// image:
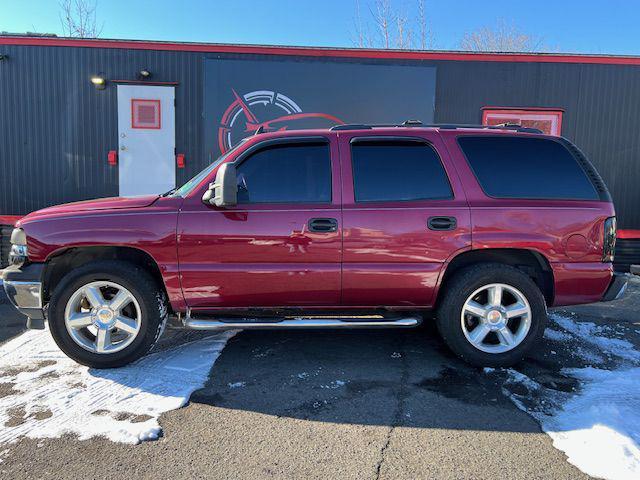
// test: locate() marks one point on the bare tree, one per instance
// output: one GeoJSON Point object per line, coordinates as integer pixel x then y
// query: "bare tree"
{"type": "Point", "coordinates": [427, 38]}
{"type": "Point", "coordinates": [78, 18]}
{"type": "Point", "coordinates": [389, 26]}
{"type": "Point", "coordinates": [383, 17]}
{"type": "Point", "coordinates": [504, 37]}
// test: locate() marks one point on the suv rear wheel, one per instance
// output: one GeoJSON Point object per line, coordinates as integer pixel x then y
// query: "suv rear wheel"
{"type": "Point", "coordinates": [491, 315]}
{"type": "Point", "coordinates": [107, 314]}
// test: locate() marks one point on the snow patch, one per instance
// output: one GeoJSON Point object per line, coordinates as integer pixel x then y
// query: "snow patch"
{"type": "Point", "coordinates": [557, 335]}
{"type": "Point", "coordinates": [236, 384]}
{"type": "Point", "coordinates": [599, 427]}
{"type": "Point", "coordinates": [335, 384]}
{"type": "Point", "coordinates": [52, 395]}
{"type": "Point", "coordinates": [594, 334]}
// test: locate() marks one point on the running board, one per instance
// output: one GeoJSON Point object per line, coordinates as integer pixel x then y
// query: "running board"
{"type": "Point", "coordinates": [301, 322]}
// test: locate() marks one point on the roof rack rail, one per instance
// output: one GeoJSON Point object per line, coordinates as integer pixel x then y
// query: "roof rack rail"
{"type": "Point", "coordinates": [351, 126]}
{"type": "Point", "coordinates": [517, 127]}
{"type": "Point", "coordinates": [445, 126]}
{"type": "Point", "coordinates": [502, 126]}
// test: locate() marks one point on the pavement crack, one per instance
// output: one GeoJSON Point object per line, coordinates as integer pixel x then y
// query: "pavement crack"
{"type": "Point", "coordinates": [398, 416]}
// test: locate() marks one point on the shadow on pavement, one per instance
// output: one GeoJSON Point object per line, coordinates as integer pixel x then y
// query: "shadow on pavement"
{"type": "Point", "coordinates": [394, 377]}
{"type": "Point", "coordinates": [12, 322]}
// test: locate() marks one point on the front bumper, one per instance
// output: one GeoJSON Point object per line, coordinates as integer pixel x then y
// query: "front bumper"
{"type": "Point", "coordinates": [23, 287]}
{"type": "Point", "coordinates": [617, 287]}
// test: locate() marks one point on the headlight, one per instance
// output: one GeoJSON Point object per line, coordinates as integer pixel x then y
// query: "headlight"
{"type": "Point", "coordinates": [18, 237]}
{"type": "Point", "coordinates": [19, 252]}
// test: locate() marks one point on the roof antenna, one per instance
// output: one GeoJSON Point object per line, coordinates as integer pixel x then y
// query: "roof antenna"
{"type": "Point", "coordinates": [411, 123]}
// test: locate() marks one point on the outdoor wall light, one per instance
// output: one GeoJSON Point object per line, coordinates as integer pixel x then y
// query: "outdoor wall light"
{"type": "Point", "coordinates": [144, 74]}
{"type": "Point", "coordinates": [98, 82]}
{"type": "Point", "coordinates": [3, 57]}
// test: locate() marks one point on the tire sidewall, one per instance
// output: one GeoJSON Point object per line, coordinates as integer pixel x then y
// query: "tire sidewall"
{"type": "Point", "coordinates": [150, 311]}
{"type": "Point", "coordinates": [465, 283]}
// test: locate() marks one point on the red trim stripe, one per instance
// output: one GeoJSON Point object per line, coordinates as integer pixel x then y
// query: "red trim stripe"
{"type": "Point", "coordinates": [533, 109]}
{"type": "Point", "coordinates": [633, 234]}
{"type": "Point", "coordinates": [321, 52]}
{"type": "Point", "coordinates": [9, 219]}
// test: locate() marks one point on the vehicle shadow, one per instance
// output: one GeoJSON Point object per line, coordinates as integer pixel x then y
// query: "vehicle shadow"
{"type": "Point", "coordinates": [381, 377]}
{"type": "Point", "coordinates": [12, 322]}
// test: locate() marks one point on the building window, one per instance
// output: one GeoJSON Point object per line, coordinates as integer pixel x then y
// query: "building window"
{"type": "Point", "coordinates": [145, 114]}
{"type": "Point", "coordinates": [548, 120]}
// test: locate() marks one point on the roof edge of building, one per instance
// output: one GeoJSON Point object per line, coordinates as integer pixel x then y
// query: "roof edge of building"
{"type": "Point", "coordinates": [336, 52]}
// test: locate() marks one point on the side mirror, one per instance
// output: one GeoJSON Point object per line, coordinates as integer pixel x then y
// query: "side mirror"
{"type": "Point", "coordinates": [223, 192]}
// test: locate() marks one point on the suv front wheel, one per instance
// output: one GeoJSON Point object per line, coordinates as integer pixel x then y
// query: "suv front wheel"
{"type": "Point", "coordinates": [107, 314]}
{"type": "Point", "coordinates": [491, 315]}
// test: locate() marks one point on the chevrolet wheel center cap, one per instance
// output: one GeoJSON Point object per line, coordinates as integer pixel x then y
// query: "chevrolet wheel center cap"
{"type": "Point", "coordinates": [494, 316]}
{"type": "Point", "coordinates": [105, 316]}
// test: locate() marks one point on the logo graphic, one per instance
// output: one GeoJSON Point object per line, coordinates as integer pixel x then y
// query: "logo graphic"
{"type": "Point", "coordinates": [267, 109]}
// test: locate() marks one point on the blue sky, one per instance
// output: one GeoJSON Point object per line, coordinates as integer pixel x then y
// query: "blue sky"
{"type": "Point", "coordinates": [586, 26]}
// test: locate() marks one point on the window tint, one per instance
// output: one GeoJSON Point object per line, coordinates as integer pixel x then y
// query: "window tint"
{"type": "Point", "coordinates": [286, 173]}
{"type": "Point", "coordinates": [516, 167]}
{"type": "Point", "coordinates": [397, 171]}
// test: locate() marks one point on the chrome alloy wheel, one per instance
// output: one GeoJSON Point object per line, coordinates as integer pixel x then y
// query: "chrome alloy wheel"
{"type": "Point", "coordinates": [103, 317]}
{"type": "Point", "coordinates": [496, 318]}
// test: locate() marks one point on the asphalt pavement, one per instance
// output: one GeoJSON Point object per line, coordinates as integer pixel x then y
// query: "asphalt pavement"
{"type": "Point", "coordinates": [390, 404]}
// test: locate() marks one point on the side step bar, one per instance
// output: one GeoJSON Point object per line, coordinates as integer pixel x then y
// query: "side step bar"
{"type": "Point", "coordinates": [294, 323]}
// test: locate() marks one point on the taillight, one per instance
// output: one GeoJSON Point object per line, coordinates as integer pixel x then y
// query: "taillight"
{"type": "Point", "coordinates": [609, 239]}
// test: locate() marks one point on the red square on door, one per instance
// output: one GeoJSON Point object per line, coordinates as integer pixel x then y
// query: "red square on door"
{"type": "Point", "coordinates": [146, 114]}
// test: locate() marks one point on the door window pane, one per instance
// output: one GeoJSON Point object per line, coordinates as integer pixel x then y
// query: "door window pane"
{"type": "Point", "coordinates": [397, 171]}
{"type": "Point", "coordinates": [289, 173]}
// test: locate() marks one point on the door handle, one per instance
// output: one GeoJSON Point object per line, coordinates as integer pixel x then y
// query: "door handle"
{"type": "Point", "coordinates": [442, 223]}
{"type": "Point", "coordinates": [323, 225]}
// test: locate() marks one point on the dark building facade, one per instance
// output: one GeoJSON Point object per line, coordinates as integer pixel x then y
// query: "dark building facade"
{"type": "Point", "coordinates": [166, 110]}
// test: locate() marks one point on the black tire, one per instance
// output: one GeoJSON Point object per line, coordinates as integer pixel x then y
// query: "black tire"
{"type": "Point", "coordinates": [461, 286]}
{"type": "Point", "coordinates": [149, 295]}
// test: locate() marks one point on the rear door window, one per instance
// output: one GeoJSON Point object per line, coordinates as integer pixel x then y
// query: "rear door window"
{"type": "Point", "coordinates": [519, 167]}
{"type": "Point", "coordinates": [397, 170]}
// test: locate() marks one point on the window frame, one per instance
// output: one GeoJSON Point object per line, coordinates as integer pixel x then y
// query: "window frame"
{"type": "Point", "coordinates": [135, 102]}
{"type": "Point", "coordinates": [397, 138]}
{"type": "Point", "coordinates": [557, 113]}
{"type": "Point", "coordinates": [283, 141]}
{"type": "Point", "coordinates": [550, 138]}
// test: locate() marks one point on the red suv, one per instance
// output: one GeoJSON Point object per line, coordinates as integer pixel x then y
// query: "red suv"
{"type": "Point", "coordinates": [356, 226]}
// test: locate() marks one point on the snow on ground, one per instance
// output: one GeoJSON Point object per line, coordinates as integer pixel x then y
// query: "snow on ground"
{"type": "Point", "coordinates": [44, 394]}
{"type": "Point", "coordinates": [597, 426]}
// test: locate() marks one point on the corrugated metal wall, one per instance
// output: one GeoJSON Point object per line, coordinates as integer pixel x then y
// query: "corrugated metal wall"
{"type": "Point", "coordinates": [56, 128]}
{"type": "Point", "coordinates": [601, 104]}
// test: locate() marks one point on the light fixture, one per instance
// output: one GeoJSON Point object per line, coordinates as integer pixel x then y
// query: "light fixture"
{"type": "Point", "coordinates": [144, 74]}
{"type": "Point", "coordinates": [99, 82]}
{"type": "Point", "coordinates": [3, 57]}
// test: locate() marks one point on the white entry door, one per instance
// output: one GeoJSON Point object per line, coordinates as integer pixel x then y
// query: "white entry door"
{"type": "Point", "coordinates": [146, 139]}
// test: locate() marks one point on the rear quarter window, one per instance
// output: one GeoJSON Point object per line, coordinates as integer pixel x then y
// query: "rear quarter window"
{"type": "Point", "coordinates": [521, 167]}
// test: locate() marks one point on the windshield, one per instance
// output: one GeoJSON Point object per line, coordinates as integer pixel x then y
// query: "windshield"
{"type": "Point", "coordinates": [195, 181]}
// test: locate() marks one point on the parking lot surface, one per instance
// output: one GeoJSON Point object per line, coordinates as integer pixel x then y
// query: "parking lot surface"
{"type": "Point", "coordinates": [360, 404]}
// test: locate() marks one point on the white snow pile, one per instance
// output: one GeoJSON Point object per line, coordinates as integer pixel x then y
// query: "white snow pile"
{"type": "Point", "coordinates": [597, 427]}
{"type": "Point", "coordinates": [44, 394]}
